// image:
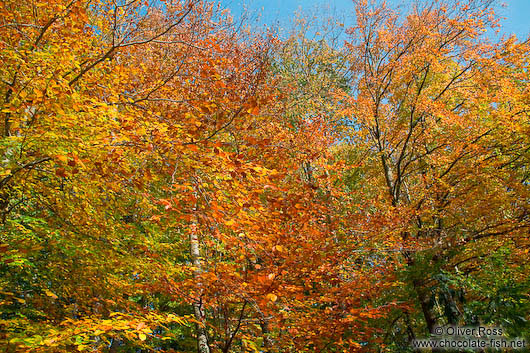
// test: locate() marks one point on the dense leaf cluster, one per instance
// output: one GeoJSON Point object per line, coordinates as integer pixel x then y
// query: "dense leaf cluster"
{"type": "Point", "coordinates": [171, 181]}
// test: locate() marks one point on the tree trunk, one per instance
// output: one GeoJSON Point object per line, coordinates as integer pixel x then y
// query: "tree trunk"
{"type": "Point", "coordinates": [202, 338]}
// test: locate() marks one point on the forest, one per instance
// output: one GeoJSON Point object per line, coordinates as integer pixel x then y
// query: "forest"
{"type": "Point", "coordinates": [175, 179]}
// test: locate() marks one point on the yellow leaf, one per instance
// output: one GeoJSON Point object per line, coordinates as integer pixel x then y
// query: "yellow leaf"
{"type": "Point", "coordinates": [142, 336]}
{"type": "Point", "coordinates": [272, 297]}
{"type": "Point", "coordinates": [50, 294]}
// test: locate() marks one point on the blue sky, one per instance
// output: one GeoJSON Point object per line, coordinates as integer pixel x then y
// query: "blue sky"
{"type": "Point", "coordinates": [516, 12]}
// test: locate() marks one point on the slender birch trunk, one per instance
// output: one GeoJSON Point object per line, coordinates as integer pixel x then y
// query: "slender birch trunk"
{"type": "Point", "coordinates": [202, 338]}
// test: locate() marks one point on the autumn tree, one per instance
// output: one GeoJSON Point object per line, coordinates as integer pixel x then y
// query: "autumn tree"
{"type": "Point", "coordinates": [94, 125]}
{"type": "Point", "coordinates": [431, 98]}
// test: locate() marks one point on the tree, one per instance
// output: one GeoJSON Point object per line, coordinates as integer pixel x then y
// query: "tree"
{"type": "Point", "coordinates": [428, 106]}
{"type": "Point", "coordinates": [86, 148]}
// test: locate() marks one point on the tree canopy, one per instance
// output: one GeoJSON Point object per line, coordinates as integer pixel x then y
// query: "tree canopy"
{"type": "Point", "coordinates": [173, 180]}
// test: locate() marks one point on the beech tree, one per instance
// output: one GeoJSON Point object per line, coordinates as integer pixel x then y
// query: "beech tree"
{"type": "Point", "coordinates": [431, 96]}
